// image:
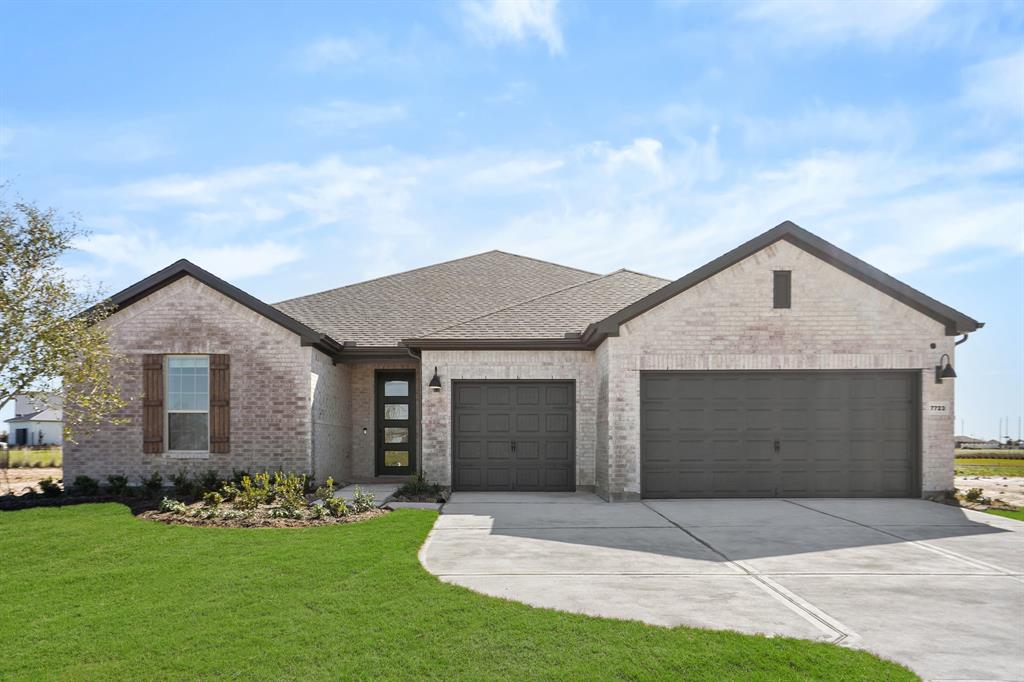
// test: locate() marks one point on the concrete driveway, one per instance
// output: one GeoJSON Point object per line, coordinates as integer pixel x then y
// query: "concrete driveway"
{"type": "Point", "coordinates": [936, 588]}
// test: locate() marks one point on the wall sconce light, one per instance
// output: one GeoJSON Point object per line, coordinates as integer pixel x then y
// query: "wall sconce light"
{"type": "Point", "coordinates": [435, 382]}
{"type": "Point", "coordinates": [946, 372]}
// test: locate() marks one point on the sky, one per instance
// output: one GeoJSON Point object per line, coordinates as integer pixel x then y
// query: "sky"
{"type": "Point", "coordinates": [295, 147]}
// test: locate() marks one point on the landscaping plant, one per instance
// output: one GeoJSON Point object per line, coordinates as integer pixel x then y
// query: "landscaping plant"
{"type": "Point", "coordinates": [85, 486]}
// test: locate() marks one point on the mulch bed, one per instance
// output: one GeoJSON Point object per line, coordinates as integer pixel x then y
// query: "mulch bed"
{"type": "Point", "coordinates": [258, 521]}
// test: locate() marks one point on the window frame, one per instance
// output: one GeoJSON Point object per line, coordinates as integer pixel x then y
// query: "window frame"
{"type": "Point", "coordinates": [167, 403]}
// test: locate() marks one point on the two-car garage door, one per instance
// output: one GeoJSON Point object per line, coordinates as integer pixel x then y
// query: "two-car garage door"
{"type": "Point", "coordinates": [779, 434]}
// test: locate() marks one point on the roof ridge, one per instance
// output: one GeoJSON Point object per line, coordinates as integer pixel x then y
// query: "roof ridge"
{"type": "Point", "coordinates": [519, 303]}
{"type": "Point", "coordinates": [433, 265]}
{"type": "Point", "coordinates": [642, 274]}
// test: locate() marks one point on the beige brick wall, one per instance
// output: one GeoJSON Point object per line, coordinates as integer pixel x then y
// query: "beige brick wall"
{"type": "Point", "coordinates": [361, 407]}
{"type": "Point", "coordinates": [270, 385]}
{"type": "Point", "coordinates": [331, 418]}
{"type": "Point", "coordinates": [577, 366]}
{"type": "Point", "coordinates": [728, 322]}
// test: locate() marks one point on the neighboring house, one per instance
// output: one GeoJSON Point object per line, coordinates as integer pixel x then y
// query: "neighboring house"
{"type": "Point", "coordinates": [969, 442]}
{"type": "Point", "coordinates": [786, 367]}
{"type": "Point", "coordinates": [38, 420]}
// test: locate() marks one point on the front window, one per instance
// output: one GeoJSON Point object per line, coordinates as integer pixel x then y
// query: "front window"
{"type": "Point", "coordinates": [188, 403]}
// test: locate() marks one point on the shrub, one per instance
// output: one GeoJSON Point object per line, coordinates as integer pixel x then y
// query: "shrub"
{"type": "Point", "coordinates": [208, 481]}
{"type": "Point", "coordinates": [317, 510]}
{"type": "Point", "coordinates": [362, 501]}
{"type": "Point", "coordinates": [50, 487]}
{"type": "Point", "coordinates": [285, 513]}
{"type": "Point", "coordinates": [205, 512]}
{"type": "Point", "coordinates": [335, 506]}
{"type": "Point", "coordinates": [251, 491]}
{"type": "Point", "coordinates": [117, 485]}
{"type": "Point", "coordinates": [212, 499]}
{"type": "Point", "coordinates": [172, 506]}
{"type": "Point", "coordinates": [86, 486]}
{"type": "Point", "coordinates": [974, 494]}
{"type": "Point", "coordinates": [289, 491]}
{"type": "Point", "coordinates": [419, 487]}
{"type": "Point", "coordinates": [152, 486]}
{"type": "Point", "coordinates": [237, 475]}
{"type": "Point", "coordinates": [183, 485]}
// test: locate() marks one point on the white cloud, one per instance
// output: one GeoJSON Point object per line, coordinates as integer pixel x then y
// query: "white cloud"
{"type": "Point", "coordinates": [996, 87]}
{"type": "Point", "coordinates": [876, 21]}
{"type": "Point", "coordinates": [513, 173]}
{"type": "Point", "coordinates": [499, 21]}
{"type": "Point", "coordinates": [327, 52]}
{"type": "Point", "coordinates": [346, 115]}
{"type": "Point", "coordinates": [145, 251]}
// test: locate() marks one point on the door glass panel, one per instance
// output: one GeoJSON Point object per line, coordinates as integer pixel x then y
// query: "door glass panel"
{"type": "Point", "coordinates": [395, 411]}
{"type": "Point", "coordinates": [396, 458]}
{"type": "Point", "coordinates": [393, 435]}
{"type": "Point", "coordinates": [396, 388]}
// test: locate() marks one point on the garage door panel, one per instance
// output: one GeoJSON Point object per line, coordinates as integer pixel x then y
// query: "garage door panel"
{"type": "Point", "coordinates": [537, 416]}
{"type": "Point", "coordinates": [750, 434]}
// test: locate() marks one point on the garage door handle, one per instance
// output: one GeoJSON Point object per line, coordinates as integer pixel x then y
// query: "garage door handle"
{"type": "Point", "coordinates": [778, 446]}
{"type": "Point", "coordinates": [513, 446]}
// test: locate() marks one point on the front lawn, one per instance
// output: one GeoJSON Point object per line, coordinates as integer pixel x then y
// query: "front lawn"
{"type": "Point", "coordinates": [28, 457]}
{"type": "Point", "coordinates": [1016, 514]}
{"type": "Point", "coordinates": [91, 592]}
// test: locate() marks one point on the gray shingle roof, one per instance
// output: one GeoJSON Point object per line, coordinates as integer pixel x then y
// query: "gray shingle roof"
{"type": "Point", "coordinates": [381, 312]}
{"type": "Point", "coordinates": [551, 316]}
{"type": "Point", "coordinates": [45, 415]}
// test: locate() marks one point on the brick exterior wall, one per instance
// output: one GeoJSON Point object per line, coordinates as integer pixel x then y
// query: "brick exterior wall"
{"type": "Point", "coordinates": [331, 418]}
{"type": "Point", "coordinates": [362, 459]}
{"type": "Point", "coordinates": [727, 322]}
{"type": "Point", "coordinates": [270, 386]}
{"type": "Point", "coordinates": [577, 366]}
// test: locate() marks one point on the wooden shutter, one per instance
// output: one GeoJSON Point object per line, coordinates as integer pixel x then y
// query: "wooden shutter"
{"type": "Point", "coordinates": [220, 403]}
{"type": "Point", "coordinates": [153, 404]}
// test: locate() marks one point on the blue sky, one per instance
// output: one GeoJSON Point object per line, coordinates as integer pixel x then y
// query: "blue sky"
{"type": "Point", "coordinates": [295, 147]}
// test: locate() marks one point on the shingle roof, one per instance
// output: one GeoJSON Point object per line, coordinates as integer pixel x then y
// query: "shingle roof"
{"type": "Point", "coordinates": [551, 316]}
{"type": "Point", "coordinates": [383, 311]}
{"type": "Point", "coordinates": [45, 415]}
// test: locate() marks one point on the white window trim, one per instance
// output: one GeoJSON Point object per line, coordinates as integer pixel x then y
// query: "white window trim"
{"type": "Point", "coordinates": [185, 454]}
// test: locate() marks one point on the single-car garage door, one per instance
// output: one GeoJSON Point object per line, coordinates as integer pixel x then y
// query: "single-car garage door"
{"type": "Point", "coordinates": [513, 435]}
{"type": "Point", "coordinates": [779, 434]}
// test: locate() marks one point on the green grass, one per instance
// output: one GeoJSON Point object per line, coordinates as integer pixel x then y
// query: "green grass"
{"type": "Point", "coordinates": [1018, 515]}
{"type": "Point", "coordinates": [989, 467]}
{"type": "Point", "coordinates": [51, 457]}
{"type": "Point", "coordinates": [91, 592]}
{"type": "Point", "coordinates": [989, 454]}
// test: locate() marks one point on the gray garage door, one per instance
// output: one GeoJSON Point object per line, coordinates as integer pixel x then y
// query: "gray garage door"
{"type": "Point", "coordinates": [514, 435]}
{"type": "Point", "coordinates": [779, 434]}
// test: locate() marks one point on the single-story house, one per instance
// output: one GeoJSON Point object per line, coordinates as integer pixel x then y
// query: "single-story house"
{"type": "Point", "coordinates": [44, 427]}
{"type": "Point", "coordinates": [786, 367]}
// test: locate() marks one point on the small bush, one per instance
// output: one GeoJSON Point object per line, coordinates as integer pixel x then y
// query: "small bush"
{"type": "Point", "coordinates": [86, 486]}
{"type": "Point", "coordinates": [206, 513]}
{"type": "Point", "coordinates": [419, 487]}
{"type": "Point", "coordinates": [289, 491]}
{"type": "Point", "coordinates": [285, 513]}
{"type": "Point", "coordinates": [974, 494]}
{"type": "Point", "coordinates": [362, 501]}
{"type": "Point", "coordinates": [237, 475]}
{"type": "Point", "coordinates": [183, 485]}
{"type": "Point", "coordinates": [117, 485]}
{"type": "Point", "coordinates": [335, 506]}
{"type": "Point", "coordinates": [250, 493]}
{"type": "Point", "coordinates": [152, 485]}
{"type": "Point", "coordinates": [212, 499]}
{"type": "Point", "coordinates": [172, 506]}
{"type": "Point", "coordinates": [208, 481]}
{"type": "Point", "coordinates": [50, 487]}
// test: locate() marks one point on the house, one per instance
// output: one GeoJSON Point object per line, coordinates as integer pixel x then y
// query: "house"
{"type": "Point", "coordinates": [786, 367]}
{"type": "Point", "coordinates": [38, 420]}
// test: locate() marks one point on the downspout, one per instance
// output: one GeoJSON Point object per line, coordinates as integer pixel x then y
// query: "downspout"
{"type": "Point", "coordinates": [963, 340]}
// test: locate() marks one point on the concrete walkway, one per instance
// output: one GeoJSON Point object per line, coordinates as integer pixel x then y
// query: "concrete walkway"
{"type": "Point", "coordinates": [936, 588]}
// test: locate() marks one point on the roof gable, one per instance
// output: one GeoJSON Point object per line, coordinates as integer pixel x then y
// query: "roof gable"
{"type": "Point", "coordinates": [185, 268]}
{"type": "Point", "coordinates": [954, 321]}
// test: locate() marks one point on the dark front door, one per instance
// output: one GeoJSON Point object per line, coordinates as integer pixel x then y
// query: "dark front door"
{"type": "Point", "coordinates": [779, 434]}
{"type": "Point", "coordinates": [514, 435]}
{"type": "Point", "coordinates": [21, 436]}
{"type": "Point", "coordinates": [396, 422]}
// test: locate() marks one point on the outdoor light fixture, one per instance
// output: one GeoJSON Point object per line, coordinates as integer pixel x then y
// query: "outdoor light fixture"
{"type": "Point", "coordinates": [435, 382]}
{"type": "Point", "coordinates": [946, 372]}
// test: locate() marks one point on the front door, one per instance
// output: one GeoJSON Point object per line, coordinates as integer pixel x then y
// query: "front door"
{"type": "Point", "coordinates": [396, 422]}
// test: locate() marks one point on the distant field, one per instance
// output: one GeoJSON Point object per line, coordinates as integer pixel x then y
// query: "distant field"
{"type": "Point", "coordinates": [990, 454]}
{"type": "Point", "coordinates": [52, 457]}
{"type": "Point", "coordinates": [985, 466]}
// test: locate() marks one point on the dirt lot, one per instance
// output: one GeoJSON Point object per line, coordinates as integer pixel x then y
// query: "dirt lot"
{"type": "Point", "coordinates": [1009, 489]}
{"type": "Point", "coordinates": [21, 478]}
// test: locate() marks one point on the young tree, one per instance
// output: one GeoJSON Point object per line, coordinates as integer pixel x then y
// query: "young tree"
{"type": "Point", "coordinates": [49, 338]}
